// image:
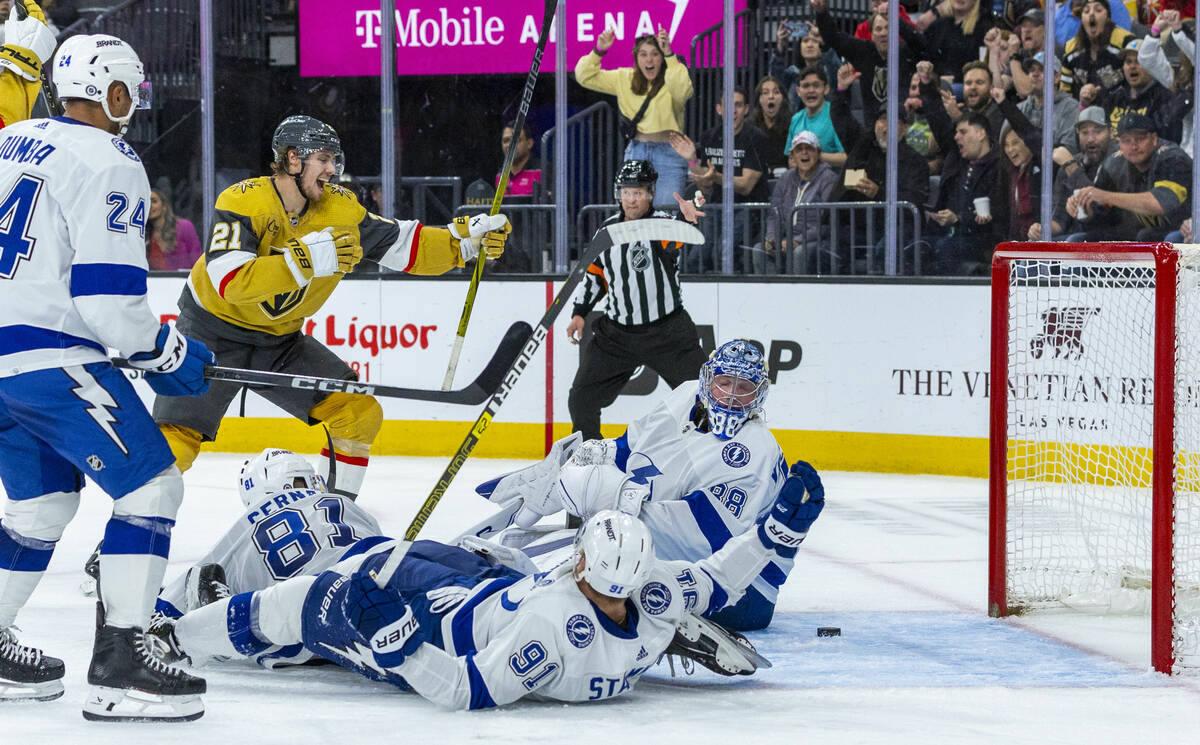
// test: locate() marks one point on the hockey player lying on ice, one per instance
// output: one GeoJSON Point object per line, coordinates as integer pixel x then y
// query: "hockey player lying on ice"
{"type": "Point", "coordinates": [468, 634]}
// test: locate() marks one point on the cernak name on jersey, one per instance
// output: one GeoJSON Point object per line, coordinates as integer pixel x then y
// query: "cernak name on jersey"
{"type": "Point", "coordinates": [609, 687]}
{"type": "Point", "coordinates": [276, 503]}
{"type": "Point", "coordinates": [24, 149]}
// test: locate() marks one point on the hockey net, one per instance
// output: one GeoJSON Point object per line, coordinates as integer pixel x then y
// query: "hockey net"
{"type": "Point", "coordinates": [1095, 436]}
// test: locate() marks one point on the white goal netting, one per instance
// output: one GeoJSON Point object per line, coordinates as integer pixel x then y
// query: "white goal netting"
{"type": "Point", "coordinates": [1080, 427]}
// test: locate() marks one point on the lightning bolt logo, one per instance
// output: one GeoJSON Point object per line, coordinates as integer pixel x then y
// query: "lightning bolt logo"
{"type": "Point", "coordinates": [101, 403]}
{"type": "Point", "coordinates": [356, 654]}
{"type": "Point", "coordinates": [677, 16]}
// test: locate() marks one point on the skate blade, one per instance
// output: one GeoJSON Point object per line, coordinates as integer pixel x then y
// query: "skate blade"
{"type": "Point", "coordinates": [13, 692]}
{"type": "Point", "coordinates": [131, 705]}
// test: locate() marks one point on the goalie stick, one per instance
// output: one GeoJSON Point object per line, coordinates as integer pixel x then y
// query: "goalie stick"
{"type": "Point", "coordinates": [501, 187]}
{"type": "Point", "coordinates": [476, 393]}
{"type": "Point", "coordinates": [652, 229]}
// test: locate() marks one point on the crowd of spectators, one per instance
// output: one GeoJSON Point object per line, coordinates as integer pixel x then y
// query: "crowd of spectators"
{"type": "Point", "coordinates": [970, 132]}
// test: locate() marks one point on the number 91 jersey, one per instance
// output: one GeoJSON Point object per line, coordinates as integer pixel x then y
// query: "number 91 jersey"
{"type": "Point", "coordinates": [289, 534]}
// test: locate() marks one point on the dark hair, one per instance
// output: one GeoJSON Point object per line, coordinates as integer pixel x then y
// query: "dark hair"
{"type": "Point", "coordinates": [736, 90]}
{"type": "Point", "coordinates": [1105, 33]}
{"type": "Point", "coordinates": [975, 119]}
{"type": "Point", "coordinates": [978, 65]}
{"type": "Point", "coordinates": [525, 130]}
{"type": "Point", "coordinates": [638, 82]}
{"type": "Point", "coordinates": [168, 225]}
{"type": "Point", "coordinates": [813, 70]}
{"type": "Point", "coordinates": [783, 119]}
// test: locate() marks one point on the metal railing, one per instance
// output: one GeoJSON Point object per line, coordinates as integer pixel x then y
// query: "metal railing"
{"type": "Point", "coordinates": [593, 152]}
{"type": "Point", "coordinates": [530, 246]}
{"type": "Point", "coordinates": [434, 200]}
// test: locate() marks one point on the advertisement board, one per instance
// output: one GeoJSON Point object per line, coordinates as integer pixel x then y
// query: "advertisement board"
{"type": "Point", "coordinates": [485, 37]}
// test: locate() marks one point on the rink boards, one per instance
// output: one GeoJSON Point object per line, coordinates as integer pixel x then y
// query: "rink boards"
{"type": "Point", "coordinates": [867, 376]}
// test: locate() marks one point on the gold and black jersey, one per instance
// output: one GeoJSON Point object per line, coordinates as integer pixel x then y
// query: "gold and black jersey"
{"type": "Point", "coordinates": [243, 278]}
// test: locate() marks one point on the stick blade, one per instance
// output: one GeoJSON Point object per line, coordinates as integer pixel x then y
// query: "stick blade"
{"type": "Point", "coordinates": [654, 229]}
{"type": "Point", "coordinates": [510, 346]}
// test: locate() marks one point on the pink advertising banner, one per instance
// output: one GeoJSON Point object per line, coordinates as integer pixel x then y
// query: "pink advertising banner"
{"type": "Point", "coordinates": [484, 36]}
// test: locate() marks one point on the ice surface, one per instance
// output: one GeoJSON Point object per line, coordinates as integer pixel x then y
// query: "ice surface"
{"type": "Point", "coordinates": [898, 562]}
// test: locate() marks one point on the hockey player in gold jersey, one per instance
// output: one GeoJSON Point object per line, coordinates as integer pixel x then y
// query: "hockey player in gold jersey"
{"type": "Point", "coordinates": [278, 247]}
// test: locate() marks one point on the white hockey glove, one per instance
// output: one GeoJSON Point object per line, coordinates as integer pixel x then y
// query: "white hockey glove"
{"type": "Point", "coordinates": [488, 232]}
{"type": "Point", "coordinates": [595, 453]}
{"type": "Point", "coordinates": [28, 42]}
{"type": "Point", "coordinates": [532, 481]}
{"type": "Point", "coordinates": [444, 599]}
{"type": "Point", "coordinates": [321, 254]}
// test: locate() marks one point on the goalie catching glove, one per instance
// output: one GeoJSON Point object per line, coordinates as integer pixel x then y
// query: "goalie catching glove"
{"type": "Point", "coordinates": [321, 254]}
{"type": "Point", "coordinates": [486, 232]}
{"type": "Point", "coordinates": [797, 507]}
{"type": "Point", "coordinates": [29, 43]}
{"type": "Point", "coordinates": [175, 367]}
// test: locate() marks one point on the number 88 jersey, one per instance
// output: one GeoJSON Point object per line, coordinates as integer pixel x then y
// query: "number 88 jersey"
{"type": "Point", "coordinates": [286, 535]}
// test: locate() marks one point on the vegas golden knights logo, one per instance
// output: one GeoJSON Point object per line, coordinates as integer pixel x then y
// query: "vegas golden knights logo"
{"type": "Point", "coordinates": [283, 303]}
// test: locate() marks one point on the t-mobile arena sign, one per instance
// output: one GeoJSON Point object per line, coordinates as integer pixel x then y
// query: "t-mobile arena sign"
{"type": "Point", "coordinates": [486, 37]}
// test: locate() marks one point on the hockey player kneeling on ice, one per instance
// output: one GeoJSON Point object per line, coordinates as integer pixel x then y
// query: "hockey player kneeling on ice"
{"type": "Point", "coordinates": [291, 527]}
{"type": "Point", "coordinates": [701, 466]}
{"type": "Point", "coordinates": [466, 634]}
{"type": "Point", "coordinates": [72, 188]}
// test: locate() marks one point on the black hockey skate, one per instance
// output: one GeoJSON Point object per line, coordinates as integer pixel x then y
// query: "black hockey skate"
{"type": "Point", "coordinates": [205, 584]}
{"type": "Point", "coordinates": [25, 673]}
{"type": "Point", "coordinates": [161, 639]}
{"type": "Point", "coordinates": [129, 684]}
{"type": "Point", "coordinates": [717, 648]}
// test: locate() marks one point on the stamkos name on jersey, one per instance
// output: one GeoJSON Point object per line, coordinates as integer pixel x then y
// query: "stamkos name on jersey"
{"type": "Point", "coordinates": [277, 502]}
{"type": "Point", "coordinates": [609, 687]}
{"type": "Point", "coordinates": [24, 149]}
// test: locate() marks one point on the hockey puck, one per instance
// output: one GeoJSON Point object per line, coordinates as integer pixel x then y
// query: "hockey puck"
{"type": "Point", "coordinates": [828, 631]}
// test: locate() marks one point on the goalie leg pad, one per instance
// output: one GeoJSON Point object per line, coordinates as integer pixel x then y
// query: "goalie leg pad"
{"type": "Point", "coordinates": [531, 483]}
{"type": "Point", "coordinates": [720, 650]}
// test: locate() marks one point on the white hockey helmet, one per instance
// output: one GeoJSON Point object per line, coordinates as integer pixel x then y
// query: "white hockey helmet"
{"type": "Point", "coordinates": [85, 66]}
{"type": "Point", "coordinates": [273, 471]}
{"type": "Point", "coordinates": [617, 552]}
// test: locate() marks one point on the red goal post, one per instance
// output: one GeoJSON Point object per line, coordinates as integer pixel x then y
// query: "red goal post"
{"type": "Point", "coordinates": [1095, 436]}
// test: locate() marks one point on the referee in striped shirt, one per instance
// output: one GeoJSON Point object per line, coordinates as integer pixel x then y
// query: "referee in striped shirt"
{"type": "Point", "coordinates": [644, 322]}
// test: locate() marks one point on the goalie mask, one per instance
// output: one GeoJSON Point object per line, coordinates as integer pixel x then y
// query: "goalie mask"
{"type": "Point", "coordinates": [85, 67]}
{"type": "Point", "coordinates": [617, 553]}
{"type": "Point", "coordinates": [273, 471]}
{"type": "Point", "coordinates": [733, 386]}
{"type": "Point", "coordinates": [307, 136]}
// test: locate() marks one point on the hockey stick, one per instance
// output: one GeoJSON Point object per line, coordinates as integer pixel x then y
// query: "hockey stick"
{"type": "Point", "coordinates": [501, 187]}
{"type": "Point", "coordinates": [653, 229]}
{"type": "Point", "coordinates": [475, 393]}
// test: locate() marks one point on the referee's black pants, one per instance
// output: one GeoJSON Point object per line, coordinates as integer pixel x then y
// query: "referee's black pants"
{"type": "Point", "coordinates": [608, 359]}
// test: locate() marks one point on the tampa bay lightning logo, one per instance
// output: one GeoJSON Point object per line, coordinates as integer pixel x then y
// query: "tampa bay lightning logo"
{"type": "Point", "coordinates": [655, 598]}
{"type": "Point", "coordinates": [735, 455]}
{"type": "Point", "coordinates": [125, 149]}
{"type": "Point", "coordinates": [580, 630]}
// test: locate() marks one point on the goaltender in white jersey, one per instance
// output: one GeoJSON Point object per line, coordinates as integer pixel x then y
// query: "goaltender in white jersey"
{"type": "Point", "coordinates": [466, 634]}
{"type": "Point", "coordinates": [713, 466]}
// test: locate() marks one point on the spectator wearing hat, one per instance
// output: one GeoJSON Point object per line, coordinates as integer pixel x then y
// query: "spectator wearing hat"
{"type": "Point", "coordinates": [1067, 19]}
{"type": "Point", "coordinates": [171, 241]}
{"type": "Point", "coordinates": [1065, 108]}
{"type": "Point", "coordinates": [1031, 30]}
{"type": "Point", "coordinates": [1076, 168]}
{"type": "Point", "coordinates": [1143, 192]}
{"type": "Point", "coordinates": [1092, 60]}
{"type": "Point", "coordinates": [1140, 93]}
{"type": "Point", "coordinates": [809, 180]}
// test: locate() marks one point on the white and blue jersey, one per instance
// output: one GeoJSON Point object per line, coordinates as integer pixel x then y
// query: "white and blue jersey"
{"type": "Point", "coordinates": [285, 535]}
{"type": "Point", "coordinates": [513, 636]}
{"type": "Point", "coordinates": [74, 201]}
{"type": "Point", "coordinates": [709, 490]}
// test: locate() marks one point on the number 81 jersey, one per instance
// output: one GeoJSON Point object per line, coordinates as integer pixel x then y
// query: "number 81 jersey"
{"type": "Point", "coordinates": [289, 534]}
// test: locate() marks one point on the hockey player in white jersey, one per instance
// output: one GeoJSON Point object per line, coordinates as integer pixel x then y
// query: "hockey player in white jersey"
{"type": "Point", "coordinates": [292, 526]}
{"type": "Point", "coordinates": [468, 635]}
{"type": "Point", "coordinates": [714, 467]}
{"type": "Point", "coordinates": [73, 204]}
